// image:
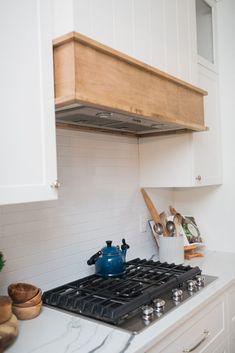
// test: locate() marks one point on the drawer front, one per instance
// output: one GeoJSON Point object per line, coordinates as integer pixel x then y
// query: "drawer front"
{"type": "Point", "coordinates": [200, 334]}
{"type": "Point", "coordinates": [231, 307]}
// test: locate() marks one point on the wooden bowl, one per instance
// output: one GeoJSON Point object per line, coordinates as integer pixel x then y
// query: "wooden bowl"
{"type": "Point", "coordinates": [5, 308]}
{"type": "Point", "coordinates": [31, 302]}
{"type": "Point", "coordinates": [27, 313]}
{"type": "Point", "coordinates": [8, 332]}
{"type": "Point", "coordinates": [21, 292]}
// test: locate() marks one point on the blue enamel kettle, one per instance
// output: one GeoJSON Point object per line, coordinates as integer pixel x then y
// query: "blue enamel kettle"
{"type": "Point", "coordinates": [110, 261]}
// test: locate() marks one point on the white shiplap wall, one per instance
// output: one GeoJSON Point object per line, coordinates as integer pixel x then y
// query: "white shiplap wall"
{"type": "Point", "coordinates": [158, 32]}
{"type": "Point", "coordinates": [48, 243]}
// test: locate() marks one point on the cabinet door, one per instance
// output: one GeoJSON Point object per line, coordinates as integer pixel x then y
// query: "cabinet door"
{"type": "Point", "coordinates": [166, 161]}
{"type": "Point", "coordinates": [27, 134]}
{"type": "Point", "coordinates": [223, 348]}
{"type": "Point", "coordinates": [232, 343]}
{"type": "Point", "coordinates": [207, 145]}
{"type": "Point", "coordinates": [186, 160]}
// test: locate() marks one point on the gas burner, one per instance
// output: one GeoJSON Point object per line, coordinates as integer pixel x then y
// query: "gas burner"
{"type": "Point", "coordinates": [145, 293]}
{"type": "Point", "coordinates": [131, 293]}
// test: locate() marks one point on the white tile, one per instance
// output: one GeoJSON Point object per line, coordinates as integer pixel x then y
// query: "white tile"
{"type": "Point", "coordinates": [48, 243]}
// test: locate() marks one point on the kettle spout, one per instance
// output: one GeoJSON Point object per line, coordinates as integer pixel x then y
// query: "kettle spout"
{"type": "Point", "coordinates": [124, 248]}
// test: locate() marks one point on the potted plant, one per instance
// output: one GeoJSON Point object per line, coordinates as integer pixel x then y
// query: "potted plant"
{"type": "Point", "coordinates": [2, 261]}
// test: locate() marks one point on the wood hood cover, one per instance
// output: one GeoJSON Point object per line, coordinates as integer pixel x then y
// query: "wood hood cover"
{"type": "Point", "coordinates": [97, 87]}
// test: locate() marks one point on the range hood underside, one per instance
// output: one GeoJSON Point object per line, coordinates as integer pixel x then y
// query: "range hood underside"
{"type": "Point", "coordinates": [93, 118]}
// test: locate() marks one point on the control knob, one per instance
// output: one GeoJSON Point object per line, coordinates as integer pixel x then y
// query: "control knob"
{"type": "Point", "coordinates": [159, 305]}
{"type": "Point", "coordinates": [147, 311]}
{"type": "Point", "coordinates": [200, 280]}
{"type": "Point", "coordinates": [177, 294]}
{"type": "Point", "coordinates": [192, 285]}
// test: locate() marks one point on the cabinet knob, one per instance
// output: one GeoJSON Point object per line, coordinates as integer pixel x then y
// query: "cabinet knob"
{"type": "Point", "coordinates": [199, 178]}
{"type": "Point", "coordinates": [55, 184]}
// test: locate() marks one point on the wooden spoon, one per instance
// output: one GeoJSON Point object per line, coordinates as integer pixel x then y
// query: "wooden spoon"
{"type": "Point", "coordinates": [163, 217]}
{"type": "Point", "coordinates": [177, 221]}
{"type": "Point", "coordinates": [173, 211]}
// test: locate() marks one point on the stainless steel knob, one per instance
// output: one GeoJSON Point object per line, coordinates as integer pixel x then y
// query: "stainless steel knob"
{"type": "Point", "coordinates": [55, 184]}
{"type": "Point", "coordinates": [177, 294]}
{"type": "Point", "coordinates": [200, 280]}
{"type": "Point", "coordinates": [192, 285]}
{"type": "Point", "coordinates": [147, 311]}
{"type": "Point", "coordinates": [198, 178]}
{"type": "Point", "coordinates": [159, 304]}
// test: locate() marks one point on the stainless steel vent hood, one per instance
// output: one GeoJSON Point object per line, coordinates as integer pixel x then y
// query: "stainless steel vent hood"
{"type": "Point", "coordinates": [98, 88]}
{"type": "Point", "coordinates": [94, 118]}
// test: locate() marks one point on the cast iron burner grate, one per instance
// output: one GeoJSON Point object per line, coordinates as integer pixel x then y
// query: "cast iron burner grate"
{"type": "Point", "coordinates": [113, 299]}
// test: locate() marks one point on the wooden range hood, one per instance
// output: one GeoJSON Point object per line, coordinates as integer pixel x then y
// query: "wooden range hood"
{"type": "Point", "coordinates": [99, 88]}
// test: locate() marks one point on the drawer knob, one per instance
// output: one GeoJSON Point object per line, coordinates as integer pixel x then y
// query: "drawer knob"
{"type": "Point", "coordinates": [55, 184]}
{"type": "Point", "coordinates": [206, 334]}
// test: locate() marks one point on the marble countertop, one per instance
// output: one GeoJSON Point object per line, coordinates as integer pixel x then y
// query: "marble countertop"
{"type": "Point", "coordinates": [56, 331]}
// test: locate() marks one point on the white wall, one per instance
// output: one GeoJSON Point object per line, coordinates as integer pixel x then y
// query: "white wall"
{"type": "Point", "coordinates": [48, 243]}
{"type": "Point", "coordinates": [158, 32]}
{"type": "Point", "coordinates": [213, 207]}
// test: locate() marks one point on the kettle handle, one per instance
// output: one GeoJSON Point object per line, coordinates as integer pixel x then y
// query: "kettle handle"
{"type": "Point", "coordinates": [91, 261]}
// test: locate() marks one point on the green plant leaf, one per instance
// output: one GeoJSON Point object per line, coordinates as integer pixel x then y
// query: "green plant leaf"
{"type": "Point", "coordinates": [2, 261]}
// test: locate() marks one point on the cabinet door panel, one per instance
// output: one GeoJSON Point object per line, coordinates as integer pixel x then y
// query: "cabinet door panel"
{"type": "Point", "coordinates": [231, 311]}
{"type": "Point", "coordinates": [27, 134]}
{"type": "Point", "coordinates": [232, 343]}
{"type": "Point", "coordinates": [207, 145]}
{"type": "Point", "coordinates": [165, 161]}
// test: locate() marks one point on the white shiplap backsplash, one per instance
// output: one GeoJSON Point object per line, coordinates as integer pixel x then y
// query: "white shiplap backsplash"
{"type": "Point", "coordinates": [48, 243]}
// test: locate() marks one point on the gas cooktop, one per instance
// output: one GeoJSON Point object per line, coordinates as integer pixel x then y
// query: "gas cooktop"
{"type": "Point", "coordinates": [145, 293]}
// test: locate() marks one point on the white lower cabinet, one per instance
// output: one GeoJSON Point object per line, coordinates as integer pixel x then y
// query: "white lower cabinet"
{"type": "Point", "coordinates": [223, 348]}
{"type": "Point", "coordinates": [232, 343]}
{"type": "Point", "coordinates": [202, 333]}
{"type": "Point", "coordinates": [231, 318]}
{"type": "Point", "coordinates": [210, 330]}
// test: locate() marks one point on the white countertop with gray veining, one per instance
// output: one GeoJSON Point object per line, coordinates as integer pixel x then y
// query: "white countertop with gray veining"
{"type": "Point", "coordinates": [59, 332]}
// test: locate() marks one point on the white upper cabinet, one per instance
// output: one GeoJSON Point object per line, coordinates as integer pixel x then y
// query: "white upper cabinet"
{"type": "Point", "coordinates": [167, 34]}
{"type": "Point", "coordinates": [189, 159]}
{"type": "Point", "coordinates": [206, 33]}
{"type": "Point", "coordinates": [207, 151]}
{"type": "Point", "coordinates": [27, 134]}
{"type": "Point", "coordinates": [194, 159]}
